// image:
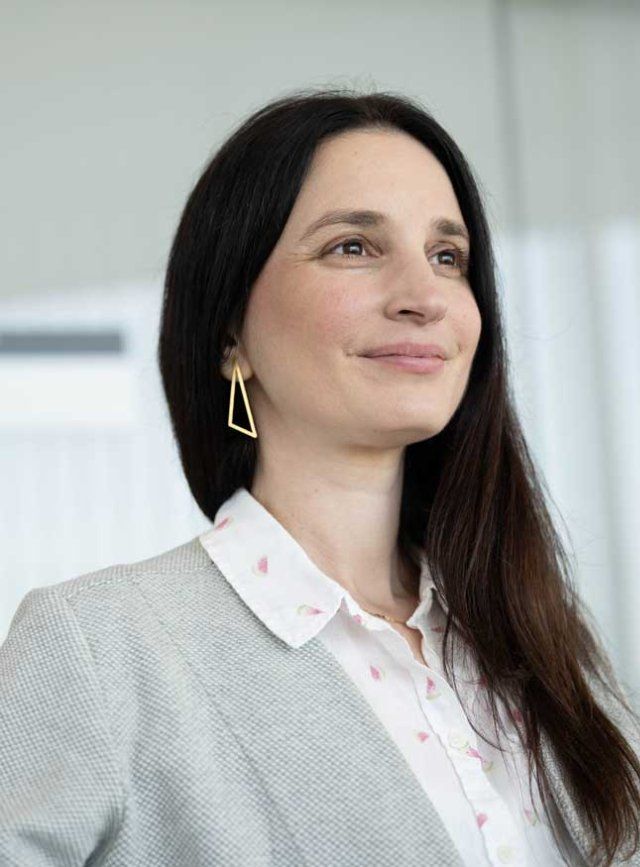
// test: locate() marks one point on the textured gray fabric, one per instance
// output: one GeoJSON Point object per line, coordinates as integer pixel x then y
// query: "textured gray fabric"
{"type": "Point", "coordinates": [147, 717]}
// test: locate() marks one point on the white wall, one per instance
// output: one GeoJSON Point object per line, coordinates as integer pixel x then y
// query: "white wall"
{"type": "Point", "coordinates": [115, 107]}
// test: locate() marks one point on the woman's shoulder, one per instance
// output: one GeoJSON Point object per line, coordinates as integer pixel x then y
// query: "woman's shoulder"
{"type": "Point", "coordinates": [83, 670]}
{"type": "Point", "coordinates": [107, 602]}
{"type": "Point", "coordinates": [183, 559]}
{"type": "Point", "coordinates": [114, 579]}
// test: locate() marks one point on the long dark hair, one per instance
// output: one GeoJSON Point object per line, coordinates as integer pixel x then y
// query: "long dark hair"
{"type": "Point", "coordinates": [473, 501]}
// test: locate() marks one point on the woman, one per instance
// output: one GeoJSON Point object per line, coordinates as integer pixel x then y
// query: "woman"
{"type": "Point", "coordinates": [374, 655]}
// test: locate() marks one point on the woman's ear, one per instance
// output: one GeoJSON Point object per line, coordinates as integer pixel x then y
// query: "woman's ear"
{"type": "Point", "coordinates": [232, 352]}
{"type": "Point", "coordinates": [228, 353]}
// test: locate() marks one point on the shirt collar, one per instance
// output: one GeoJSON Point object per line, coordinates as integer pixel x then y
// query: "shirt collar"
{"type": "Point", "coordinates": [275, 577]}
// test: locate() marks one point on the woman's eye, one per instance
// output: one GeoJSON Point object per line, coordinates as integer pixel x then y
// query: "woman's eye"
{"type": "Point", "coordinates": [460, 257]}
{"type": "Point", "coordinates": [350, 242]}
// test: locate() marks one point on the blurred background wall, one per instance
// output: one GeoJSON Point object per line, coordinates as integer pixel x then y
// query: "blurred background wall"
{"type": "Point", "coordinates": [110, 112]}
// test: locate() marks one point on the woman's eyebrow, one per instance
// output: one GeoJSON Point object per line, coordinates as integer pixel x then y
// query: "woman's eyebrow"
{"type": "Point", "coordinates": [369, 219]}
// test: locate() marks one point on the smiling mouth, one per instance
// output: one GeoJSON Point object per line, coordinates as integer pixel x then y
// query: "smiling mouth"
{"type": "Point", "coordinates": [415, 363]}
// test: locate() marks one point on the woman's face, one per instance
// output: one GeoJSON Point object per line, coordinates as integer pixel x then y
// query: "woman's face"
{"type": "Point", "coordinates": [314, 311]}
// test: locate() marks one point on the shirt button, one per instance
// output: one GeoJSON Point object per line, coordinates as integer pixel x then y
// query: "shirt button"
{"type": "Point", "coordinates": [458, 740]}
{"type": "Point", "coordinates": [505, 853]}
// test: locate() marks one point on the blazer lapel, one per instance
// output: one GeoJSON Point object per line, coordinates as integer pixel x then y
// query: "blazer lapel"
{"type": "Point", "coordinates": [334, 774]}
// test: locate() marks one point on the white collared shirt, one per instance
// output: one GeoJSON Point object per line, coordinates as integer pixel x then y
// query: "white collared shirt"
{"type": "Point", "coordinates": [480, 794]}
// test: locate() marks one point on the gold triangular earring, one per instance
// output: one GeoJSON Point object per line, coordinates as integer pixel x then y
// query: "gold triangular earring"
{"type": "Point", "coordinates": [237, 376]}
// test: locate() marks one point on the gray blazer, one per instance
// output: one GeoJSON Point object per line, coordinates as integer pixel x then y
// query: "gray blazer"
{"type": "Point", "coordinates": [147, 717]}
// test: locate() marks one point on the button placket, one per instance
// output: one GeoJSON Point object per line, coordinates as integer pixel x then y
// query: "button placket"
{"type": "Point", "coordinates": [449, 723]}
{"type": "Point", "coordinates": [446, 718]}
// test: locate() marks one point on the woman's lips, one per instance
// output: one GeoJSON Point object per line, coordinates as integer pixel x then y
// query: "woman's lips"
{"type": "Point", "coordinates": [431, 364]}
